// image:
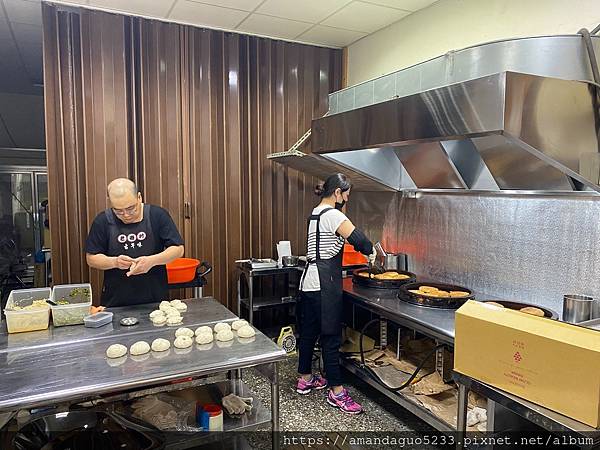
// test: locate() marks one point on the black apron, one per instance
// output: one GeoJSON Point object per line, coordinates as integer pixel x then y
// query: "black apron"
{"type": "Point", "coordinates": [330, 280]}
{"type": "Point", "coordinates": [133, 240]}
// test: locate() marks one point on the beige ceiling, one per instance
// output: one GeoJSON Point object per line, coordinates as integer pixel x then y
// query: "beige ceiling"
{"type": "Point", "coordinates": [332, 23]}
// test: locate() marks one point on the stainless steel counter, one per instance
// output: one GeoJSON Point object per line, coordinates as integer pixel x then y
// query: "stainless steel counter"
{"type": "Point", "coordinates": [69, 363]}
{"type": "Point", "coordinates": [199, 312]}
{"type": "Point", "coordinates": [434, 322]}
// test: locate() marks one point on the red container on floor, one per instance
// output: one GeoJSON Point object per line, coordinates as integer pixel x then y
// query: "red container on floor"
{"type": "Point", "coordinates": [182, 270]}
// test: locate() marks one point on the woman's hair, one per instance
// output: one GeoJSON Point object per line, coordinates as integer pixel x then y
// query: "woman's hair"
{"type": "Point", "coordinates": [337, 180]}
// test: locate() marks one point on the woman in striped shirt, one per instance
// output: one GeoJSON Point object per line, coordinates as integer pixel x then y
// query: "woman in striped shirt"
{"type": "Point", "coordinates": [320, 307]}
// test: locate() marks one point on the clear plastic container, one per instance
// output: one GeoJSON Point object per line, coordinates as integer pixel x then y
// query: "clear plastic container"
{"type": "Point", "coordinates": [23, 320]}
{"type": "Point", "coordinates": [98, 320]}
{"type": "Point", "coordinates": [78, 306]}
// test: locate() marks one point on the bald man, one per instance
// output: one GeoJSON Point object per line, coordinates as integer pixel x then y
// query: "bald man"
{"type": "Point", "coordinates": [132, 242]}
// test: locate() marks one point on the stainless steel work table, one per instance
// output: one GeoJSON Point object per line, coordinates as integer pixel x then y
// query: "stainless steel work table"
{"type": "Point", "coordinates": [69, 364]}
{"type": "Point", "coordinates": [433, 322]}
{"type": "Point", "coordinates": [439, 324]}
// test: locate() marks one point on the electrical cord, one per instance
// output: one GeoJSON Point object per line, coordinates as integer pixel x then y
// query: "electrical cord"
{"type": "Point", "coordinates": [372, 373]}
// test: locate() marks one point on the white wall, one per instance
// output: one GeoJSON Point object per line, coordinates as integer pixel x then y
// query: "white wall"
{"type": "Point", "coordinates": [455, 24]}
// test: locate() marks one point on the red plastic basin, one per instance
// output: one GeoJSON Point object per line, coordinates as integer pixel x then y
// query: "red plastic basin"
{"type": "Point", "coordinates": [182, 270]}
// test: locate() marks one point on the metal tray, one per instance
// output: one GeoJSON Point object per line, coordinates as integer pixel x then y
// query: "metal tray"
{"type": "Point", "coordinates": [434, 302]}
{"type": "Point", "coordinates": [381, 284]}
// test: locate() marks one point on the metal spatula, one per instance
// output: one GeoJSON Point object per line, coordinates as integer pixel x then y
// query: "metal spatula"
{"type": "Point", "coordinates": [377, 267]}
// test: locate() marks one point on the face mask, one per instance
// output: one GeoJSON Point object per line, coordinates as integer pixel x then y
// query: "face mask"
{"type": "Point", "coordinates": [340, 205]}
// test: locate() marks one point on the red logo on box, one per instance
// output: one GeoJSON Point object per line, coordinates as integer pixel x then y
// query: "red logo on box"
{"type": "Point", "coordinates": [517, 357]}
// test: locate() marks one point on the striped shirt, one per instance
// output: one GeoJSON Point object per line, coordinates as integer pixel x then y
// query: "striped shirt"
{"type": "Point", "coordinates": [330, 244]}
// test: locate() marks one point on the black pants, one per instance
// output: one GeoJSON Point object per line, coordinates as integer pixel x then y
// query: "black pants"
{"type": "Point", "coordinates": [308, 310]}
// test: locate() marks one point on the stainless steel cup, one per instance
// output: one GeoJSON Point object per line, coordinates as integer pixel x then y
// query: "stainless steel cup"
{"type": "Point", "coordinates": [390, 262]}
{"type": "Point", "coordinates": [577, 308]}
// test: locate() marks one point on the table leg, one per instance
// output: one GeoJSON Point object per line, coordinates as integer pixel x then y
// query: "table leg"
{"type": "Point", "coordinates": [250, 299]}
{"type": "Point", "coordinates": [239, 294]}
{"type": "Point", "coordinates": [275, 407]}
{"type": "Point", "coordinates": [461, 418]}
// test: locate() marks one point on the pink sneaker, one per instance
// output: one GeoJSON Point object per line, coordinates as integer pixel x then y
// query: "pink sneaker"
{"type": "Point", "coordinates": [344, 402]}
{"type": "Point", "coordinates": [316, 382]}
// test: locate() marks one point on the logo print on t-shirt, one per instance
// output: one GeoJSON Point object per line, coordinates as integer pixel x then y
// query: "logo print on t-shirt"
{"type": "Point", "coordinates": [130, 239]}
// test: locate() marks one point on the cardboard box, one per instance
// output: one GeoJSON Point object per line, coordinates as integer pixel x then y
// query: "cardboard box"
{"type": "Point", "coordinates": [551, 363]}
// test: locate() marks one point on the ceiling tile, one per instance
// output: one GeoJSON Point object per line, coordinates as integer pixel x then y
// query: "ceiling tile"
{"type": "Point", "coordinates": [407, 5]}
{"type": "Point", "coordinates": [365, 17]}
{"type": "Point", "coordinates": [153, 8]}
{"type": "Point", "coordinates": [208, 15]}
{"type": "Point", "coordinates": [244, 5]}
{"type": "Point", "coordinates": [331, 36]}
{"type": "Point", "coordinates": [307, 10]}
{"type": "Point", "coordinates": [25, 33]}
{"type": "Point", "coordinates": [23, 11]}
{"type": "Point", "coordinates": [273, 26]}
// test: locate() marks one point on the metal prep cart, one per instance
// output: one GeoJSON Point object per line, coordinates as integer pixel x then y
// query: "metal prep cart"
{"type": "Point", "coordinates": [246, 276]}
{"type": "Point", "coordinates": [67, 365]}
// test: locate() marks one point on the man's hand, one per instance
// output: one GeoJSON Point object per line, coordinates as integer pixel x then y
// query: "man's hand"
{"type": "Point", "coordinates": [124, 262]}
{"type": "Point", "coordinates": [141, 265]}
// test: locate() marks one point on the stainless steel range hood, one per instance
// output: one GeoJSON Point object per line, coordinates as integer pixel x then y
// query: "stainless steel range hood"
{"type": "Point", "coordinates": [529, 132]}
{"type": "Point", "coordinates": [503, 131]}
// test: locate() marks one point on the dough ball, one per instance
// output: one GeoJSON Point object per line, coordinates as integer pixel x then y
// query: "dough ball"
{"type": "Point", "coordinates": [156, 313]}
{"type": "Point", "coordinates": [183, 342]}
{"type": "Point", "coordinates": [173, 320]}
{"type": "Point", "coordinates": [174, 302]}
{"type": "Point", "coordinates": [160, 345]}
{"type": "Point", "coordinates": [139, 348]}
{"type": "Point", "coordinates": [237, 324]}
{"type": "Point", "coordinates": [533, 311]}
{"type": "Point", "coordinates": [184, 332]}
{"type": "Point", "coordinates": [179, 305]}
{"type": "Point", "coordinates": [172, 312]}
{"type": "Point", "coordinates": [164, 305]}
{"type": "Point", "coordinates": [224, 335]}
{"type": "Point", "coordinates": [203, 329]}
{"type": "Point", "coordinates": [204, 338]}
{"type": "Point", "coordinates": [495, 304]}
{"type": "Point", "coordinates": [116, 351]}
{"type": "Point", "coordinates": [246, 332]}
{"type": "Point", "coordinates": [222, 326]}
{"type": "Point", "coordinates": [159, 320]}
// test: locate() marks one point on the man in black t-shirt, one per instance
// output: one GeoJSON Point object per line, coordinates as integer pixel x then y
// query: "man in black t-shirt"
{"type": "Point", "coordinates": [132, 242]}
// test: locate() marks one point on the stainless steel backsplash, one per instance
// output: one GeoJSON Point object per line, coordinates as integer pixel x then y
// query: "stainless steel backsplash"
{"type": "Point", "coordinates": [532, 249]}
